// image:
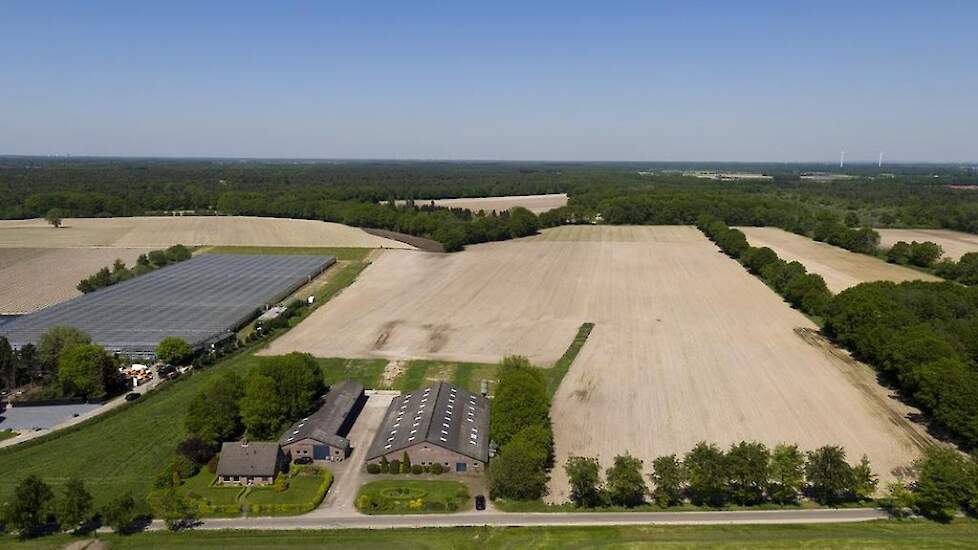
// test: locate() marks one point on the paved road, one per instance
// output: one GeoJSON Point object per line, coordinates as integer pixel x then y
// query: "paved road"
{"type": "Point", "coordinates": [496, 519]}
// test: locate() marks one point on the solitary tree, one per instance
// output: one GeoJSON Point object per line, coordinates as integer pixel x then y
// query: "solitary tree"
{"type": "Point", "coordinates": [31, 505]}
{"type": "Point", "coordinates": [668, 477]}
{"type": "Point", "coordinates": [54, 217]}
{"type": "Point", "coordinates": [584, 474]}
{"type": "Point", "coordinates": [84, 370]}
{"type": "Point", "coordinates": [942, 483]}
{"type": "Point", "coordinates": [75, 507]}
{"type": "Point", "coordinates": [626, 485]}
{"type": "Point", "coordinates": [173, 350]}
{"type": "Point", "coordinates": [54, 342]}
{"type": "Point", "coordinates": [864, 481]}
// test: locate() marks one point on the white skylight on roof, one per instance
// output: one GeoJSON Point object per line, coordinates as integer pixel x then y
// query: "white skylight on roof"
{"type": "Point", "coordinates": [387, 446]}
{"type": "Point", "coordinates": [442, 439]}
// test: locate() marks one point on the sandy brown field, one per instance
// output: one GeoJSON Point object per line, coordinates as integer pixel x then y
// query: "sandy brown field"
{"type": "Point", "coordinates": [33, 278]}
{"type": "Point", "coordinates": [533, 203]}
{"type": "Point", "coordinates": [840, 268]}
{"type": "Point", "coordinates": [687, 345]}
{"type": "Point", "coordinates": [187, 230]}
{"type": "Point", "coordinates": [954, 243]}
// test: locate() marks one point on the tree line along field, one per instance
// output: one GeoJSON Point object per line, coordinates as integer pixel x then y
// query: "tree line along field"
{"type": "Point", "coordinates": [686, 347]}
{"type": "Point", "coordinates": [534, 203]}
{"type": "Point", "coordinates": [165, 231]}
{"type": "Point", "coordinates": [840, 268]}
{"type": "Point", "coordinates": [954, 243]}
{"type": "Point", "coordinates": [34, 278]}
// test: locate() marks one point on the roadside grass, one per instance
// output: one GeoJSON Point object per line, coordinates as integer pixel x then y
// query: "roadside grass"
{"type": "Point", "coordinates": [557, 372]}
{"type": "Point", "coordinates": [875, 534]}
{"type": "Point", "coordinates": [538, 506]}
{"type": "Point", "coordinates": [368, 372]}
{"type": "Point", "coordinates": [420, 496]}
{"type": "Point", "coordinates": [122, 450]}
{"type": "Point", "coordinates": [7, 434]}
{"type": "Point", "coordinates": [341, 253]}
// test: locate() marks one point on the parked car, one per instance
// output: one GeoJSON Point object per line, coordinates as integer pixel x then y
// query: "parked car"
{"type": "Point", "coordinates": [303, 460]}
{"type": "Point", "coordinates": [132, 396]}
{"type": "Point", "coordinates": [480, 502]}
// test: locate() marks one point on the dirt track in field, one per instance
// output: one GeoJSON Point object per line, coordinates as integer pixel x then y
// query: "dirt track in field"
{"type": "Point", "coordinates": [840, 268]}
{"type": "Point", "coordinates": [687, 345]}
{"type": "Point", "coordinates": [954, 243]}
{"type": "Point", "coordinates": [534, 203]}
{"type": "Point", "coordinates": [188, 230]}
{"type": "Point", "coordinates": [33, 278]}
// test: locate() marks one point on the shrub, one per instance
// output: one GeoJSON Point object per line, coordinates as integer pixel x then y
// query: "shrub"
{"type": "Point", "coordinates": [417, 469]}
{"type": "Point", "coordinates": [373, 468]}
{"type": "Point", "coordinates": [395, 466]}
{"type": "Point", "coordinates": [212, 464]}
{"type": "Point", "coordinates": [196, 450]}
{"type": "Point", "coordinates": [437, 468]}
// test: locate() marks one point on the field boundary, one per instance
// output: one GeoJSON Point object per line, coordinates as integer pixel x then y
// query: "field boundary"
{"type": "Point", "coordinates": [560, 369]}
{"type": "Point", "coordinates": [421, 243]}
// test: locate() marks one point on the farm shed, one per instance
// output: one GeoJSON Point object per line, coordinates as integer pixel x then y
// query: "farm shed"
{"type": "Point", "coordinates": [202, 300]}
{"type": "Point", "coordinates": [440, 424]}
{"type": "Point", "coordinates": [249, 463]}
{"type": "Point", "coordinates": [321, 436]}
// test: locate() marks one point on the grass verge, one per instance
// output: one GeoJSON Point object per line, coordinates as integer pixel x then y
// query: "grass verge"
{"type": "Point", "coordinates": [876, 534]}
{"type": "Point", "coordinates": [560, 368]}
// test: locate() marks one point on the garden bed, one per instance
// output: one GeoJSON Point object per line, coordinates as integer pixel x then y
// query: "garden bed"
{"type": "Point", "coordinates": [397, 496]}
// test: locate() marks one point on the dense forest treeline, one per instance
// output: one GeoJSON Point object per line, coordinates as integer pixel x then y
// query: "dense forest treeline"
{"type": "Point", "coordinates": [619, 193]}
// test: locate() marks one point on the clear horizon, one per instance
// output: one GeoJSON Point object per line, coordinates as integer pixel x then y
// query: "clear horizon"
{"type": "Point", "coordinates": [561, 82]}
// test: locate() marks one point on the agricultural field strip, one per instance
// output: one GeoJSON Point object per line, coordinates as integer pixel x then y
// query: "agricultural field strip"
{"type": "Point", "coordinates": [34, 278]}
{"type": "Point", "coordinates": [534, 203]}
{"type": "Point", "coordinates": [954, 243]}
{"type": "Point", "coordinates": [840, 268]}
{"type": "Point", "coordinates": [164, 231]}
{"type": "Point", "coordinates": [684, 340]}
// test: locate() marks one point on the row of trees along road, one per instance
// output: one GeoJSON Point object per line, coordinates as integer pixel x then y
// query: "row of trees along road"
{"type": "Point", "coordinates": [747, 474]}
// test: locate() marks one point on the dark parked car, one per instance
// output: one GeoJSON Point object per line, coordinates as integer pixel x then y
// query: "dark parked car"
{"type": "Point", "coordinates": [480, 502]}
{"type": "Point", "coordinates": [303, 460]}
{"type": "Point", "coordinates": [132, 396]}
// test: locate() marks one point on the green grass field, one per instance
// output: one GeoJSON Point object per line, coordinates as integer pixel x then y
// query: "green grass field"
{"type": "Point", "coordinates": [350, 254]}
{"type": "Point", "coordinates": [420, 373]}
{"type": "Point", "coordinates": [368, 372]}
{"type": "Point", "coordinates": [879, 534]}
{"type": "Point", "coordinates": [413, 496]}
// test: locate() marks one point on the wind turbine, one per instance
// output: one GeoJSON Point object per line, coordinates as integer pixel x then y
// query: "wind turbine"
{"type": "Point", "coordinates": [880, 165]}
{"type": "Point", "coordinates": [842, 160]}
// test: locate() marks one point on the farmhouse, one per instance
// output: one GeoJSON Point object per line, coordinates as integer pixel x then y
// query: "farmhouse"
{"type": "Point", "coordinates": [441, 424]}
{"type": "Point", "coordinates": [244, 463]}
{"type": "Point", "coordinates": [321, 436]}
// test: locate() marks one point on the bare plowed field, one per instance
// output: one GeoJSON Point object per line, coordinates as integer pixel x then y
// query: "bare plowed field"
{"type": "Point", "coordinates": [534, 203]}
{"type": "Point", "coordinates": [954, 243]}
{"type": "Point", "coordinates": [687, 345]}
{"type": "Point", "coordinates": [187, 230]}
{"type": "Point", "coordinates": [33, 278]}
{"type": "Point", "coordinates": [840, 268]}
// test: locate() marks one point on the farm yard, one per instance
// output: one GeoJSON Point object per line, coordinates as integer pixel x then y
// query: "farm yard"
{"type": "Point", "coordinates": [34, 278]}
{"type": "Point", "coordinates": [534, 203]}
{"type": "Point", "coordinates": [954, 243]}
{"type": "Point", "coordinates": [840, 268]}
{"type": "Point", "coordinates": [165, 231]}
{"type": "Point", "coordinates": [686, 342]}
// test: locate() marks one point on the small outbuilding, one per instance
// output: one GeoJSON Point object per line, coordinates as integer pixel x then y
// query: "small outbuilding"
{"type": "Point", "coordinates": [441, 424]}
{"type": "Point", "coordinates": [321, 436]}
{"type": "Point", "coordinates": [249, 463]}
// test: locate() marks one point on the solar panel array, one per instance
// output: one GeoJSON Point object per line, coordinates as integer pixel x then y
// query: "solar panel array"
{"type": "Point", "coordinates": [198, 300]}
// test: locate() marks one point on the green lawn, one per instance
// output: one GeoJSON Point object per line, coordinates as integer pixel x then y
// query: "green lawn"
{"type": "Point", "coordinates": [368, 372]}
{"type": "Point", "coordinates": [420, 373]}
{"type": "Point", "coordinates": [877, 534]}
{"type": "Point", "coordinates": [7, 434]}
{"type": "Point", "coordinates": [350, 254]}
{"type": "Point", "coordinates": [412, 496]}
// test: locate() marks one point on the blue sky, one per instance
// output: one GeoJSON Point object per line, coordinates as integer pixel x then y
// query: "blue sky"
{"type": "Point", "coordinates": [780, 81]}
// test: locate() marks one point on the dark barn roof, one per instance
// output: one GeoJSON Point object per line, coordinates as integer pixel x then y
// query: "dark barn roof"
{"type": "Point", "coordinates": [199, 300]}
{"type": "Point", "coordinates": [443, 415]}
{"type": "Point", "coordinates": [327, 424]}
{"type": "Point", "coordinates": [249, 459]}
